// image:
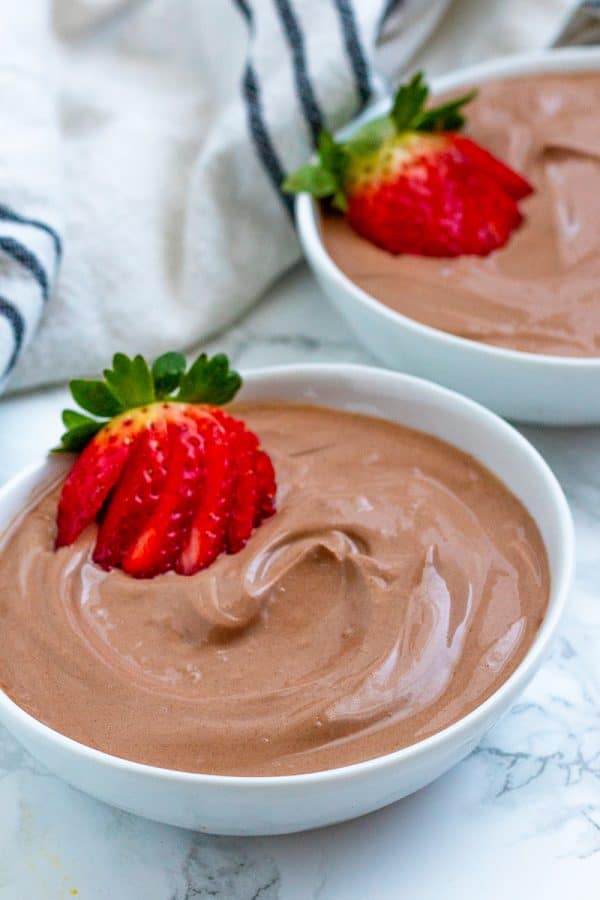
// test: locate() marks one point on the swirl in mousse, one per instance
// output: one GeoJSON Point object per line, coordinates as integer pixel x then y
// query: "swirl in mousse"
{"type": "Point", "coordinates": [540, 292]}
{"type": "Point", "coordinates": [396, 587]}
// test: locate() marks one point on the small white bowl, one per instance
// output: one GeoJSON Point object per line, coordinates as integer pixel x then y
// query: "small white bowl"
{"type": "Point", "coordinates": [526, 387]}
{"type": "Point", "coordinates": [273, 805]}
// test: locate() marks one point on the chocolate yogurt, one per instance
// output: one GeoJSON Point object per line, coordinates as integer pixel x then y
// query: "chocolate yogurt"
{"type": "Point", "coordinates": [541, 292]}
{"type": "Point", "coordinates": [398, 585]}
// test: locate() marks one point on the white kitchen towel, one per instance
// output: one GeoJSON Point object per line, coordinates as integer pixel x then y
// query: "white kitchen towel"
{"type": "Point", "coordinates": [144, 142]}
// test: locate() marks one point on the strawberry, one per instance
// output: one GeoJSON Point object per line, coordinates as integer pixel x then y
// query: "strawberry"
{"type": "Point", "coordinates": [157, 546]}
{"type": "Point", "coordinates": [173, 480]}
{"type": "Point", "coordinates": [95, 473]}
{"type": "Point", "coordinates": [244, 490]}
{"type": "Point", "coordinates": [134, 497]}
{"type": "Point", "coordinates": [266, 487]}
{"type": "Point", "coordinates": [409, 183]}
{"type": "Point", "coordinates": [205, 538]}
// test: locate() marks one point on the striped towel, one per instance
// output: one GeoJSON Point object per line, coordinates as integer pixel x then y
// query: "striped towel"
{"type": "Point", "coordinates": [143, 147]}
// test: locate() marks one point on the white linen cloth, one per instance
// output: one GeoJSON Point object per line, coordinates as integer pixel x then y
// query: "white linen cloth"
{"type": "Point", "coordinates": [143, 142]}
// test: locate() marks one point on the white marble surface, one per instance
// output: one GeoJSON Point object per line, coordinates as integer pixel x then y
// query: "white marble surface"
{"type": "Point", "coordinates": [520, 818]}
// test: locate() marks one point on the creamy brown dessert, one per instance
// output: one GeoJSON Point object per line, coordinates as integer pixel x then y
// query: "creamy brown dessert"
{"type": "Point", "coordinates": [541, 292]}
{"type": "Point", "coordinates": [398, 585]}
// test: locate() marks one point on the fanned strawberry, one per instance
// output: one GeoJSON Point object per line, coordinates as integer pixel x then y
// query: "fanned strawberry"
{"type": "Point", "coordinates": [158, 545]}
{"type": "Point", "coordinates": [206, 537]}
{"type": "Point", "coordinates": [135, 497]}
{"type": "Point", "coordinates": [245, 491]}
{"type": "Point", "coordinates": [410, 184]}
{"type": "Point", "coordinates": [266, 487]}
{"type": "Point", "coordinates": [94, 474]}
{"type": "Point", "coordinates": [174, 480]}
{"type": "Point", "coordinates": [513, 184]}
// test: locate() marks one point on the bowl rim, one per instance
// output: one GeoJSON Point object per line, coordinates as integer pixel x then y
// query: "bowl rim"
{"type": "Point", "coordinates": [453, 735]}
{"type": "Point", "coordinates": [564, 59]}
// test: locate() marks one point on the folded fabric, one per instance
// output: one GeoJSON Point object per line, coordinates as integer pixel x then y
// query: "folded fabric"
{"type": "Point", "coordinates": [144, 144]}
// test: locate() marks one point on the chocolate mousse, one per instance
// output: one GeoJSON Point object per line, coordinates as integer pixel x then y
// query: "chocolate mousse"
{"type": "Point", "coordinates": [540, 293]}
{"type": "Point", "coordinates": [397, 587]}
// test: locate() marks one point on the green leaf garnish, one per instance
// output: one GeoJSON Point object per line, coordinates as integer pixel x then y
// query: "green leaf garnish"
{"type": "Point", "coordinates": [209, 380]}
{"type": "Point", "coordinates": [408, 112]}
{"type": "Point", "coordinates": [71, 418]}
{"type": "Point", "coordinates": [131, 383]}
{"type": "Point", "coordinates": [327, 177]}
{"type": "Point", "coordinates": [370, 137]}
{"type": "Point", "coordinates": [314, 180]}
{"type": "Point", "coordinates": [96, 397]}
{"type": "Point", "coordinates": [167, 372]}
{"type": "Point", "coordinates": [446, 117]}
{"type": "Point", "coordinates": [409, 102]}
{"type": "Point", "coordinates": [78, 436]}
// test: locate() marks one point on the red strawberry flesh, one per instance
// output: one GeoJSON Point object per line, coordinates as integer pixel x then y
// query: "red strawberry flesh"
{"type": "Point", "coordinates": [134, 498]}
{"type": "Point", "coordinates": [158, 545]}
{"type": "Point", "coordinates": [514, 184]}
{"type": "Point", "coordinates": [245, 492]}
{"type": "Point", "coordinates": [266, 487]}
{"type": "Point", "coordinates": [206, 537]}
{"type": "Point", "coordinates": [93, 475]}
{"type": "Point", "coordinates": [436, 200]}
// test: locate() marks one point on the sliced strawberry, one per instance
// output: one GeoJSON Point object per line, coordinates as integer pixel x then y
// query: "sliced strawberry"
{"type": "Point", "coordinates": [245, 491]}
{"type": "Point", "coordinates": [206, 537]}
{"type": "Point", "coordinates": [158, 546]}
{"type": "Point", "coordinates": [266, 486]}
{"type": "Point", "coordinates": [94, 473]}
{"type": "Point", "coordinates": [514, 184]}
{"type": "Point", "coordinates": [134, 497]}
{"type": "Point", "coordinates": [490, 217]}
{"type": "Point", "coordinates": [173, 481]}
{"type": "Point", "coordinates": [435, 202]}
{"type": "Point", "coordinates": [409, 183]}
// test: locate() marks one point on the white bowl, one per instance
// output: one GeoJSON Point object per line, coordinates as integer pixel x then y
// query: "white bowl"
{"type": "Point", "coordinates": [272, 805]}
{"type": "Point", "coordinates": [527, 387]}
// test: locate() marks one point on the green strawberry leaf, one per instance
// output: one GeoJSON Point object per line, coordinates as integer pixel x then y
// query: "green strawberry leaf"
{"type": "Point", "coordinates": [409, 102]}
{"type": "Point", "coordinates": [446, 117]}
{"type": "Point", "coordinates": [339, 201]}
{"type": "Point", "coordinates": [72, 419]}
{"type": "Point", "coordinates": [130, 381]}
{"type": "Point", "coordinates": [167, 372]}
{"type": "Point", "coordinates": [209, 380]}
{"type": "Point", "coordinates": [77, 436]}
{"type": "Point", "coordinates": [332, 154]}
{"type": "Point", "coordinates": [408, 111]}
{"type": "Point", "coordinates": [325, 178]}
{"type": "Point", "coordinates": [311, 179]}
{"type": "Point", "coordinates": [370, 137]}
{"type": "Point", "coordinates": [95, 397]}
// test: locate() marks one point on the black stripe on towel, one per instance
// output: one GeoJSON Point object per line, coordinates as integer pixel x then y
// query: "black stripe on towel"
{"type": "Point", "coordinates": [10, 312]}
{"type": "Point", "coordinates": [306, 94]}
{"type": "Point", "coordinates": [9, 215]}
{"type": "Point", "coordinates": [244, 9]}
{"type": "Point", "coordinates": [388, 8]}
{"type": "Point", "coordinates": [256, 123]}
{"type": "Point", "coordinates": [23, 255]}
{"type": "Point", "coordinates": [354, 49]}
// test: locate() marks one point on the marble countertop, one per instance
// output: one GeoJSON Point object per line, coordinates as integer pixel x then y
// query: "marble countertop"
{"type": "Point", "coordinates": [519, 818]}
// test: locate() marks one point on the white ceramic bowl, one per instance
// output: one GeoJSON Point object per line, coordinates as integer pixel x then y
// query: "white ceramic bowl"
{"type": "Point", "coordinates": [527, 387]}
{"type": "Point", "coordinates": [242, 805]}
